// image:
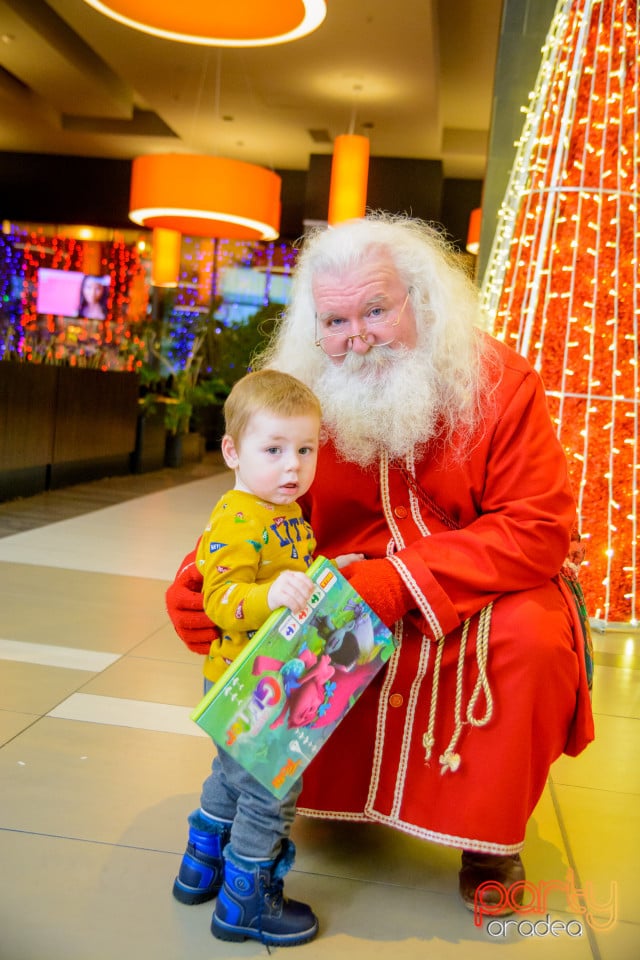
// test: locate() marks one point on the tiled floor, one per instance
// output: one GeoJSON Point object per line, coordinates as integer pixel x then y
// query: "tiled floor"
{"type": "Point", "coordinates": [100, 765]}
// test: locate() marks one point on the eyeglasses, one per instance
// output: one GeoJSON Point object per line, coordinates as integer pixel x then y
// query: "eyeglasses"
{"type": "Point", "coordinates": [339, 344]}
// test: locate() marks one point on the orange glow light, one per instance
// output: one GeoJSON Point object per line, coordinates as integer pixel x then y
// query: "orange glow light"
{"type": "Point", "coordinates": [244, 23]}
{"type": "Point", "coordinates": [473, 235]}
{"type": "Point", "coordinates": [165, 257]}
{"type": "Point", "coordinates": [349, 177]}
{"type": "Point", "coordinates": [205, 196]}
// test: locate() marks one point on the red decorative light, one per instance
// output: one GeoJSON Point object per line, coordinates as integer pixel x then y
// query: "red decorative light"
{"type": "Point", "coordinates": [563, 283]}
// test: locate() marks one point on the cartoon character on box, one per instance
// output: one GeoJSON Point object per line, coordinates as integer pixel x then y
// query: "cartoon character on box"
{"type": "Point", "coordinates": [320, 687]}
{"type": "Point", "coordinates": [254, 715]}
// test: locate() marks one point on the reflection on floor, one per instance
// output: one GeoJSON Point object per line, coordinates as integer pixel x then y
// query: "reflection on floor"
{"type": "Point", "coordinates": [100, 764]}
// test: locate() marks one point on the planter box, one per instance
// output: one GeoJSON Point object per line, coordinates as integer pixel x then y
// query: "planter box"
{"type": "Point", "coordinates": [61, 425]}
{"type": "Point", "coordinates": [27, 427]}
{"type": "Point", "coordinates": [151, 437]}
{"type": "Point", "coordinates": [209, 421]}
{"type": "Point", "coordinates": [96, 416]}
{"type": "Point", "coordinates": [183, 448]}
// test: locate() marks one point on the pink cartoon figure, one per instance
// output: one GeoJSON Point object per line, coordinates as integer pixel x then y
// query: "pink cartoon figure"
{"type": "Point", "coordinates": [319, 688]}
{"type": "Point", "coordinates": [305, 680]}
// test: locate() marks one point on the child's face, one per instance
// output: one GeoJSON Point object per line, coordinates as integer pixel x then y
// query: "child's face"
{"type": "Point", "coordinates": [276, 456]}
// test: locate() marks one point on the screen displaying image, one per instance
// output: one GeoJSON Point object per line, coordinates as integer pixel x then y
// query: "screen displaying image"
{"type": "Point", "coordinates": [243, 285]}
{"type": "Point", "coordinates": [279, 289]}
{"type": "Point", "coordinates": [69, 293]}
{"type": "Point", "coordinates": [93, 297]}
{"type": "Point", "coordinates": [59, 292]}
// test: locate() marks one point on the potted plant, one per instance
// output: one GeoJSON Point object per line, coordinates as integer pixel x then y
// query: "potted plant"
{"type": "Point", "coordinates": [227, 352]}
{"type": "Point", "coordinates": [186, 394]}
{"type": "Point", "coordinates": [187, 391]}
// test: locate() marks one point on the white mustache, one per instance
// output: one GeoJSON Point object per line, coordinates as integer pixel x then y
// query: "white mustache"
{"type": "Point", "coordinates": [376, 359]}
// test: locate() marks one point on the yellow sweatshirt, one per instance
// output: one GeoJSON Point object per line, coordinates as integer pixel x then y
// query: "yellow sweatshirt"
{"type": "Point", "coordinates": [246, 545]}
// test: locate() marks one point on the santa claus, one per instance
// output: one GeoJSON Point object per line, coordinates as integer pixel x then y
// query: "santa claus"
{"type": "Point", "coordinates": [440, 464]}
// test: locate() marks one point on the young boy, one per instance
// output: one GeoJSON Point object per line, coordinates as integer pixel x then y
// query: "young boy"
{"type": "Point", "coordinates": [253, 555]}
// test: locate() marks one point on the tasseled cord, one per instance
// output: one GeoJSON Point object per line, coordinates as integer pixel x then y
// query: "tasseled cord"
{"type": "Point", "coordinates": [450, 759]}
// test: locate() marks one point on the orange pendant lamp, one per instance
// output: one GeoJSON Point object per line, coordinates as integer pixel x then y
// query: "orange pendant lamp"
{"type": "Point", "coordinates": [165, 257]}
{"type": "Point", "coordinates": [205, 196]}
{"type": "Point", "coordinates": [473, 235]}
{"type": "Point", "coordinates": [349, 178]}
{"type": "Point", "coordinates": [243, 23]}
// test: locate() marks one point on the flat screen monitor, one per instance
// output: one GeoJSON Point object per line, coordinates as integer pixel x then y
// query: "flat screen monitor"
{"type": "Point", "coordinates": [243, 285]}
{"type": "Point", "coordinates": [279, 289]}
{"type": "Point", "coordinates": [60, 292]}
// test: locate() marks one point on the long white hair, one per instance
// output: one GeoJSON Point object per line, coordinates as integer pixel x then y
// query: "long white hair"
{"type": "Point", "coordinates": [438, 389]}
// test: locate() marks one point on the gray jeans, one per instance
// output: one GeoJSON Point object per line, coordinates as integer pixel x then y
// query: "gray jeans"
{"type": "Point", "coordinates": [260, 822]}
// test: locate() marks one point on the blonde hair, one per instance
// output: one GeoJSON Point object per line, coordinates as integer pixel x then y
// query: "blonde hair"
{"type": "Point", "coordinates": [270, 391]}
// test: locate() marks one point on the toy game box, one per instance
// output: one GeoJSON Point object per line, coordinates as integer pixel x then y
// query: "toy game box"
{"type": "Point", "coordinates": [285, 694]}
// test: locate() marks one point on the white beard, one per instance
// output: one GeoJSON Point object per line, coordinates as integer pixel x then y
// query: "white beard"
{"type": "Point", "coordinates": [384, 400]}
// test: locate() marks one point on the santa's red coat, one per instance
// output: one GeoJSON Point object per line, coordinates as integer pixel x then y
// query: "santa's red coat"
{"type": "Point", "coordinates": [432, 753]}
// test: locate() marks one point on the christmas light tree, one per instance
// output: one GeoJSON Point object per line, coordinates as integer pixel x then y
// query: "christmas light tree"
{"type": "Point", "coordinates": [562, 283]}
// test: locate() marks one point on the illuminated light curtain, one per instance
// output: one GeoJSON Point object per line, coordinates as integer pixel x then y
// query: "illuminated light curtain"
{"type": "Point", "coordinates": [242, 23]}
{"type": "Point", "coordinates": [165, 257]}
{"type": "Point", "coordinates": [349, 178]}
{"type": "Point", "coordinates": [473, 234]}
{"type": "Point", "coordinates": [205, 196]}
{"type": "Point", "coordinates": [562, 283]}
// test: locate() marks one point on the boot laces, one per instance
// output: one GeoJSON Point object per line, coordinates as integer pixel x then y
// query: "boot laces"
{"type": "Point", "coordinates": [272, 893]}
{"type": "Point", "coordinates": [272, 896]}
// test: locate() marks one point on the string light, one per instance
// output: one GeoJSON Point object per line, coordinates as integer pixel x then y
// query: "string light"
{"type": "Point", "coordinates": [205, 262]}
{"type": "Point", "coordinates": [562, 285]}
{"type": "Point", "coordinates": [38, 337]}
{"type": "Point", "coordinates": [28, 335]}
{"type": "Point", "coordinates": [10, 274]}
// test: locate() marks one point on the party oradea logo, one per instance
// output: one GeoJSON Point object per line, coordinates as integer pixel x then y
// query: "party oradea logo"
{"type": "Point", "coordinates": [529, 900]}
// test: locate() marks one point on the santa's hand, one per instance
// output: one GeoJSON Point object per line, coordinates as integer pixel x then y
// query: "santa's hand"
{"type": "Point", "coordinates": [186, 609]}
{"type": "Point", "coordinates": [380, 585]}
{"type": "Point", "coordinates": [291, 589]}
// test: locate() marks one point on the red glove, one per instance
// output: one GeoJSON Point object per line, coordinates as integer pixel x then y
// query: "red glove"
{"type": "Point", "coordinates": [186, 609]}
{"type": "Point", "coordinates": [381, 586]}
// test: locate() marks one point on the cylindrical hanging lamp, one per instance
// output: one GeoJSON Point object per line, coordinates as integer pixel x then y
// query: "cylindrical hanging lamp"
{"type": "Point", "coordinates": [349, 177]}
{"type": "Point", "coordinates": [165, 257]}
{"type": "Point", "coordinates": [205, 196]}
{"type": "Point", "coordinates": [243, 23]}
{"type": "Point", "coordinates": [473, 234]}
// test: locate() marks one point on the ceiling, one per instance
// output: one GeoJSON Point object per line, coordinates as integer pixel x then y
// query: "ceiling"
{"type": "Point", "coordinates": [416, 76]}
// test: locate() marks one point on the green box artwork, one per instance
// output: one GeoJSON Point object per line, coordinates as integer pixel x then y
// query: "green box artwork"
{"type": "Point", "coordinates": [285, 694]}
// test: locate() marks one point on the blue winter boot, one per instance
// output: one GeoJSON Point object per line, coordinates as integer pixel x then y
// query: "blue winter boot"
{"type": "Point", "coordinates": [251, 904]}
{"type": "Point", "coordinates": [202, 867]}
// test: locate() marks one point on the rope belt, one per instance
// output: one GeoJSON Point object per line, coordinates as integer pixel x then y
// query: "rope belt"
{"type": "Point", "coordinates": [450, 759]}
